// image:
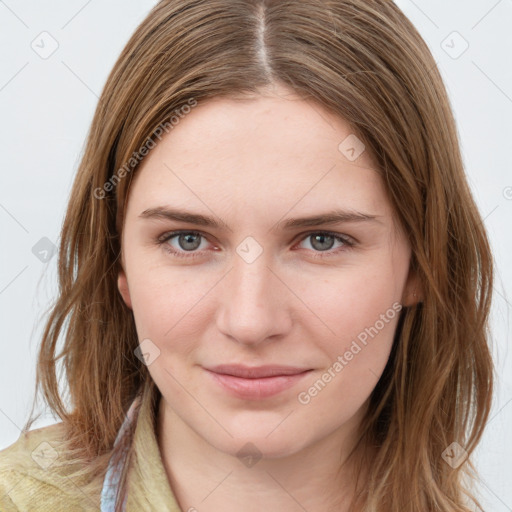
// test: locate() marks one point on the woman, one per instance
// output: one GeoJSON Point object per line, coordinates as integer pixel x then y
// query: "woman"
{"type": "Point", "coordinates": [219, 356]}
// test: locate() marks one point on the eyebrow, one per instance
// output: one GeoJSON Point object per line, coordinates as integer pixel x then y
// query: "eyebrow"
{"type": "Point", "coordinates": [331, 217]}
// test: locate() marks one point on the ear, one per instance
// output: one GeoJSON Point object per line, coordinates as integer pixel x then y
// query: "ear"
{"type": "Point", "coordinates": [122, 285]}
{"type": "Point", "coordinates": [413, 289]}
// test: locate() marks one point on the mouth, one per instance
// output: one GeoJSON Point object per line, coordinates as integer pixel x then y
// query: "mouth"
{"type": "Point", "coordinates": [256, 383]}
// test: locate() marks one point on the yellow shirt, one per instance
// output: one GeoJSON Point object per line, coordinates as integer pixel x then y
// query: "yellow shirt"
{"type": "Point", "coordinates": [30, 481]}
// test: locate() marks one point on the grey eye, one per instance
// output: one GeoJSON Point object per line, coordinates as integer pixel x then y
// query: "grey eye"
{"type": "Point", "coordinates": [322, 242]}
{"type": "Point", "coordinates": [189, 241]}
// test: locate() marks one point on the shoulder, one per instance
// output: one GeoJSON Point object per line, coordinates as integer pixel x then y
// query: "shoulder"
{"type": "Point", "coordinates": [34, 477]}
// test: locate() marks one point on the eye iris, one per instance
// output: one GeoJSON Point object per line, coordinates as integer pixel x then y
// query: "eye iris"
{"type": "Point", "coordinates": [322, 238]}
{"type": "Point", "coordinates": [187, 238]}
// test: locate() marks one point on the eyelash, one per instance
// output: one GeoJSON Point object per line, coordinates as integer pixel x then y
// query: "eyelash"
{"type": "Point", "coordinates": [348, 243]}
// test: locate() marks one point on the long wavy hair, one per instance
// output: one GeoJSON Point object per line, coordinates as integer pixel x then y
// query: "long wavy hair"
{"type": "Point", "coordinates": [366, 62]}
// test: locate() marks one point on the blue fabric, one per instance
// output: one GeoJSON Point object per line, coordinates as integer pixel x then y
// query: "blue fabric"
{"type": "Point", "coordinates": [113, 474]}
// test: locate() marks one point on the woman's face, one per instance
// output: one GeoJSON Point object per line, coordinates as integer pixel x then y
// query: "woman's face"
{"type": "Point", "coordinates": [258, 279]}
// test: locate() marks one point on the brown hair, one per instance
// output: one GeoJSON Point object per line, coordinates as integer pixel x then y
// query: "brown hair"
{"type": "Point", "coordinates": [365, 62]}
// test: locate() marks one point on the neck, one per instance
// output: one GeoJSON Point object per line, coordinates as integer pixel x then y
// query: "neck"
{"type": "Point", "coordinates": [206, 479]}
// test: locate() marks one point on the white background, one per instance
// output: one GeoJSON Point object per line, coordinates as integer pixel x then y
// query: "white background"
{"type": "Point", "coordinates": [46, 108]}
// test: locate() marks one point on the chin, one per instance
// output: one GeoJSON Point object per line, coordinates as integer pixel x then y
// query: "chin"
{"type": "Point", "coordinates": [259, 446]}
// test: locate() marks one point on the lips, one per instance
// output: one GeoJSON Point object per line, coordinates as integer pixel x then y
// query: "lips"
{"type": "Point", "coordinates": [256, 383]}
{"type": "Point", "coordinates": [256, 372]}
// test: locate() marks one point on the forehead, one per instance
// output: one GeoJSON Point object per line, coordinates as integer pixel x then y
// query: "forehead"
{"type": "Point", "coordinates": [268, 151]}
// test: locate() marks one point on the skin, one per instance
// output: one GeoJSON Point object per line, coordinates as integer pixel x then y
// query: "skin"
{"type": "Point", "coordinates": [251, 164]}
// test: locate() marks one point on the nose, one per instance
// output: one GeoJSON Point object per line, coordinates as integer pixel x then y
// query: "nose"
{"type": "Point", "coordinates": [254, 305]}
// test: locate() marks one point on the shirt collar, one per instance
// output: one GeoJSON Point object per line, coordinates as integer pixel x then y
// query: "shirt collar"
{"type": "Point", "coordinates": [148, 484]}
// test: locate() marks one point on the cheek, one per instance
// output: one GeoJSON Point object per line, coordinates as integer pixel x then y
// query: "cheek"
{"type": "Point", "coordinates": [167, 302]}
{"type": "Point", "coordinates": [353, 300]}
{"type": "Point", "coordinates": [363, 315]}
{"type": "Point", "coordinates": [359, 312]}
